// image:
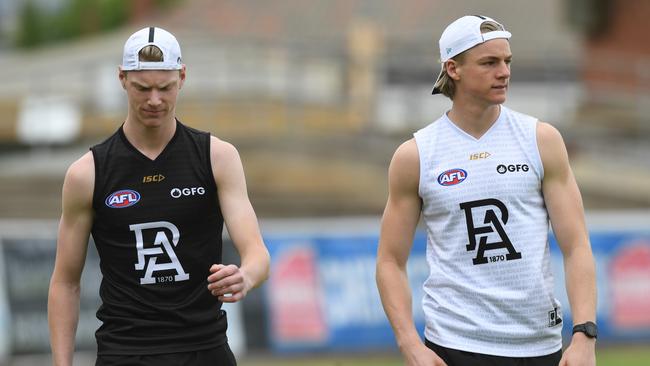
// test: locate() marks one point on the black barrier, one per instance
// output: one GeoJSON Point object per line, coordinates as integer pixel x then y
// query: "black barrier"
{"type": "Point", "coordinates": [28, 267]}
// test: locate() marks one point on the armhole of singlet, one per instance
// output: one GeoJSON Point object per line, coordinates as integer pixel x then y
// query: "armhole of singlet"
{"type": "Point", "coordinates": [538, 155]}
{"type": "Point", "coordinates": [420, 162]}
{"type": "Point", "coordinates": [428, 137]}
{"type": "Point", "coordinates": [97, 177]}
{"type": "Point", "coordinates": [209, 162]}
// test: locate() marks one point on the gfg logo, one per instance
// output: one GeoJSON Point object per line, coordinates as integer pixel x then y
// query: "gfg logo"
{"type": "Point", "coordinates": [186, 192]}
{"type": "Point", "coordinates": [503, 169]}
{"type": "Point", "coordinates": [452, 177]}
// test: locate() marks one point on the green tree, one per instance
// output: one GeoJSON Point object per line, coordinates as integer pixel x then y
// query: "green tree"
{"type": "Point", "coordinates": [78, 18]}
{"type": "Point", "coordinates": [31, 30]}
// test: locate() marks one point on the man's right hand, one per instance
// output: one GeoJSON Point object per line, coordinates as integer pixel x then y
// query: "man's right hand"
{"type": "Point", "coordinates": [421, 355]}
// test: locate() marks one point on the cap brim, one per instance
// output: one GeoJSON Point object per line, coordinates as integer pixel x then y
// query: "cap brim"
{"type": "Point", "coordinates": [435, 89]}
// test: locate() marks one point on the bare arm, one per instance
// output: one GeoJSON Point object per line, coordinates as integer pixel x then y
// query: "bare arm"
{"type": "Point", "coordinates": [564, 205]}
{"type": "Point", "coordinates": [72, 244]}
{"type": "Point", "coordinates": [398, 226]}
{"type": "Point", "coordinates": [242, 225]}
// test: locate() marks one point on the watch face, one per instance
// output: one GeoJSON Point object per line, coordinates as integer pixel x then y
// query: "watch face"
{"type": "Point", "coordinates": [591, 329]}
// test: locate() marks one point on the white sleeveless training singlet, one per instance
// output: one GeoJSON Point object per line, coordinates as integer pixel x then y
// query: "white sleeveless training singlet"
{"type": "Point", "coordinates": [490, 287]}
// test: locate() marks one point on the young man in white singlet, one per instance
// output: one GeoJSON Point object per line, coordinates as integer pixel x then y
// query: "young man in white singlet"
{"type": "Point", "coordinates": [486, 180]}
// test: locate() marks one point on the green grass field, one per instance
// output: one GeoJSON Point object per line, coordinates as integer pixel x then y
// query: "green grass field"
{"type": "Point", "coordinates": [605, 356]}
{"type": "Point", "coordinates": [624, 356]}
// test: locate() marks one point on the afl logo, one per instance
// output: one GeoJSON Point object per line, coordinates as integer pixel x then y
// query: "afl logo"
{"type": "Point", "coordinates": [122, 198]}
{"type": "Point", "coordinates": [452, 177]}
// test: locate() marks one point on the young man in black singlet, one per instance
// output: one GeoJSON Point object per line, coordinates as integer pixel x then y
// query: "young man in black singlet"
{"type": "Point", "coordinates": [155, 196]}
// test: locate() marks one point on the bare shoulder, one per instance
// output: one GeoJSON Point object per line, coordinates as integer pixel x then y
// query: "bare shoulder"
{"type": "Point", "coordinates": [222, 151]}
{"type": "Point", "coordinates": [225, 161]}
{"type": "Point", "coordinates": [548, 134]}
{"type": "Point", "coordinates": [81, 173]}
{"type": "Point", "coordinates": [404, 171]}
{"type": "Point", "coordinates": [551, 148]}
{"type": "Point", "coordinates": [407, 154]}
{"type": "Point", "coordinates": [79, 181]}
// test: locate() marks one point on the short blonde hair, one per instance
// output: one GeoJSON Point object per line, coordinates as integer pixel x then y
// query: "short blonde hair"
{"type": "Point", "coordinates": [445, 84]}
{"type": "Point", "coordinates": [151, 53]}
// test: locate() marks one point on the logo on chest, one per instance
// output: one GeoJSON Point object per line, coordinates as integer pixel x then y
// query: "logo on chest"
{"type": "Point", "coordinates": [166, 238]}
{"type": "Point", "coordinates": [156, 178]}
{"type": "Point", "coordinates": [452, 177]}
{"type": "Point", "coordinates": [490, 233]}
{"type": "Point", "coordinates": [479, 156]}
{"type": "Point", "coordinates": [512, 168]}
{"type": "Point", "coordinates": [187, 192]}
{"type": "Point", "coordinates": [122, 198]}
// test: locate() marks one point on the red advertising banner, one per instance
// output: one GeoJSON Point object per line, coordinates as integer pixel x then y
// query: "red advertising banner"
{"type": "Point", "coordinates": [629, 274]}
{"type": "Point", "coordinates": [295, 298]}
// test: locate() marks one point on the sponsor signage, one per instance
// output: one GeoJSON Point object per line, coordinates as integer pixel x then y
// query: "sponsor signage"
{"type": "Point", "coordinates": [512, 168]}
{"type": "Point", "coordinates": [623, 280]}
{"type": "Point", "coordinates": [28, 265]}
{"type": "Point", "coordinates": [322, 293]}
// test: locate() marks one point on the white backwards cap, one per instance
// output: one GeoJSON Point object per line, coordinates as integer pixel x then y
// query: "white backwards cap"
{"type": "Point", "coordinates": [155, 36]}
{"type": "Point", "coordinates": [463, 34]}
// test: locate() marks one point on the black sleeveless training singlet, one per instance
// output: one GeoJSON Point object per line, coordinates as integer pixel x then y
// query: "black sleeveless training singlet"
{"type": "Point", "coordinates": [157, 227]}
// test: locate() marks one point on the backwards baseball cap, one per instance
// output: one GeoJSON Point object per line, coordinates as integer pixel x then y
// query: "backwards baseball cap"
{"type": "Point", "coordinates": [152, 36]}
{"type": "Point", "coordinates": [463, 34]}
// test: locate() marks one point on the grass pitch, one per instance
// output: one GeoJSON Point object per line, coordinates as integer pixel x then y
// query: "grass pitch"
{"type": "Point", "coordinates": [638, 355]}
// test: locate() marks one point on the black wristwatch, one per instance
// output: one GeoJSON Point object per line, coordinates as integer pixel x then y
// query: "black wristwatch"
{"type": "Point", "coordinates": [590, 329]}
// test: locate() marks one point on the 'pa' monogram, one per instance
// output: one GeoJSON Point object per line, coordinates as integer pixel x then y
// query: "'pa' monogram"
{"type": "Point", "coordinates": [161, 245]}
{"type": "Point", "coordinates": [494, 226]}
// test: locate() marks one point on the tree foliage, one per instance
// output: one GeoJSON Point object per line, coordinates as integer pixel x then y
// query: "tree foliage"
{"type": "Point", "coordinates": [78, 18]}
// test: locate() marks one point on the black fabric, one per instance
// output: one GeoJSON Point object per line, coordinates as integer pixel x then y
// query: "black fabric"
{"type": "Point", "coordinates": [220, 356]}
{"type": "Point", "coordinates": [453, 357]}
{"type": "Point", "coordinates": [147, 214]}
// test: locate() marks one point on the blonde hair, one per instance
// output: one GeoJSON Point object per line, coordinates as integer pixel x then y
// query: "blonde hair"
{"type": "Point", "coordinates": [445, 83]}
{"type": "Point", "coordinates": [151, 53]}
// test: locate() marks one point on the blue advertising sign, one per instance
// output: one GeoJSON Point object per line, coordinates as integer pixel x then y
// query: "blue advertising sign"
{"type": "Point", "coordinates": [322, 293]}
{"type": "Point", "coordinates": [623, 280]}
